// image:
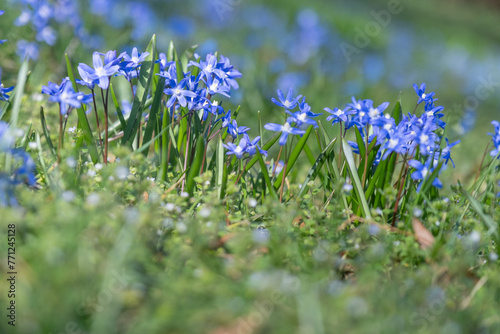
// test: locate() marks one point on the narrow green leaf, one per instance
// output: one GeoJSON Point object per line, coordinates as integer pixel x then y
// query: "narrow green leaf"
{"type": "Point", "coordinates": [121, 119]}
{"type": "Point", "coordinates": [293, 156]}
{"type": "Point", "coordinates": [357, 183]}
{"type": "Point", "coordinates": [265, 174]}
{"type": "Point", "coordinates": [220, 167]}
{"type": "Point", "coordinates": [397, 112]}
{"type": "Point", "coordinates": [82, 118]}
{"type": "Point", "coordinates": [143, 86]}
{"type": "Point", "coordinates": [186, 56]}
{"type": "Point", "coordinates": [315, 169]}
{"type": "Point", "coordinates": [155, 108]}
{"type": "Point", "coordinates": [491, 225]}
{"type": "Point", "coordinates": [194, 169]}
{"type": "Point", "coordinates": [361, 143]}
{"type": "Point", "coordinates": [46, 133]}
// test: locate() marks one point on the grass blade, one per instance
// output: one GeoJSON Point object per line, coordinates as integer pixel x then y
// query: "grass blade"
{"type": "Point", "coordinates": [265, 174]}
{"type": "Point", "coordinates": [357, 183]}
{"type": "Point", "coordinates": [315, 169]}
{"type": "Point", "coordinates": [46, 133]}
{"type": "Point", "coordinates": [82, 118]}
{"type": "Point", "coordinates": [155, 108]}
{"type": "Point", "coordinates": [293, 157]}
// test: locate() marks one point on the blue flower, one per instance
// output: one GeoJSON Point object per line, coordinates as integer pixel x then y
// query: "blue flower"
{"type": "Point", "coordinates": [239, 150]}
{"type": "Point", "coordinates": [252, 146]}
{"type": "Point", "coordinates": [285, 131]}
{"type": "Point", "coordinates": [65, 96]}
{"type": "Point", "coordinates": [289, 102]}
{"type": "Point", "coordinates": [3, 91]}
{"type": "Point", "coordinates": [338, 114]}
{"type": "Point", "coordinates": [234, 130]}
{"type": "Point", "coordinates": [496, 139]}
{"type": "Point", "coordinates": [208, 67]}
{"type": "Point", "coordinates": [421, 172]}
{"type": "Point", "coordinates": [421, 93]}
{"type": "Point", "coordinates": [101, 72]}
{"type": "Point", "coordinates": [134, 61]}
{"type": "Point", "coordinates": [446, 152]}
{"type": "Point", "coordinates": [179, 94]}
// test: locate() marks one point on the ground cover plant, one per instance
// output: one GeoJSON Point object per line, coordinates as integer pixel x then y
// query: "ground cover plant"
{"type": "Point", "coordinates": [140, 195]}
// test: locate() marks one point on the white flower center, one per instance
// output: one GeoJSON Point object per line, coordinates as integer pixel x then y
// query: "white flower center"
{"type": "Point", "coordinates": [238, 149]}
{"type": "Point", "coordinates": [393, 143]}
{"type": "Point", "coordinates": [177, 91]}
{"type": "Point", "coordinates": [99, 71]}
{"type": "Point", "coordinates": [286, 127]}
{"type": "Point", "coordinates": [425, 171]}
{"type": "Point", "coordinates": [424, 138]}
{"type": "Point", "coordinates": [302, 117]}
{"type": "Point", "coordinates": [387, 126]}
{"type": "Point", "coordinates": [424, 96]}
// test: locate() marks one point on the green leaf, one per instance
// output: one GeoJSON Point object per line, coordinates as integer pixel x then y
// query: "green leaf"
{"type": "Point", "coordinates": [361, 144]}
{"type": "Point", "coordinates": [186, 55]}
{"type": "Point", "coordinates": [121, 119]}
{"type": "Point", "coordinates": [143, 86]}
{"type": "Point", "coordinates": [155, 108]}
{"type": "Point", "coordinates": [194, 169]}
{"type": "Point", "coordinates": [47, 134]}
{"type": "Point", "coordinates": [82, 118]}
{"type": "Point", "coordinates": [397, 112]}
{"type": "Point", "coordinates": [491, 225]}
{"type": "Point", "coordinates": [221, 168]}
{"type": "Point", "coordinates": [293, 157]}
{"type": "Point", "coordinates": [357, 183]}
{"type": "Point", "coordinates": [21, 81]}
{"type": "Point", "coordinates": [265, 174]}
{"type": "Point", "coordinates": [315, 169]}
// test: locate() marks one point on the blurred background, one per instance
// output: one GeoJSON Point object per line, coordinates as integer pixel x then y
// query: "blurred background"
{"type": "Point", "coordinates": [326, 50]}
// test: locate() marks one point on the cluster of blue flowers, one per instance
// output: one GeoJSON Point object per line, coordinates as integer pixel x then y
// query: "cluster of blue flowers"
{"type": "Point", "coordinates": [413, 137]}
{"type": "Point", "coordinates": [496, 139]}
{"type": "Point", "coordinates": [40, 14]}
{"type": "Point", "coordinates": [4, 96]}
{"type": "Point", "coordinates": [23, 166]}
{"type": "Point", "coordinates": [65, 95]}
{"type": "Point", "coordinates": [297, 121]}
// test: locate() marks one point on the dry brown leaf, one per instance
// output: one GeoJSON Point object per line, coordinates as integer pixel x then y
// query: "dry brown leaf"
{"type": "Point", "coordinates": [423, 236]}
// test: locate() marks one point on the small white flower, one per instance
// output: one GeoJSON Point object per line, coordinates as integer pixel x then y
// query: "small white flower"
{"type": "Point", "coordinates": [68, 196]}
{"type": "Point", "coordinates": [170, 206]}
{"type": "Point", "coordinates": [205, 212]}
{"type": "Point", "coordinates": [32, 145]}
{"type": "Point", "coordinates": [93, 199]}
{"type": "Point", "coordinates": [252, 202]}
{"type": "Point", "coordinates": [184, 194]}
